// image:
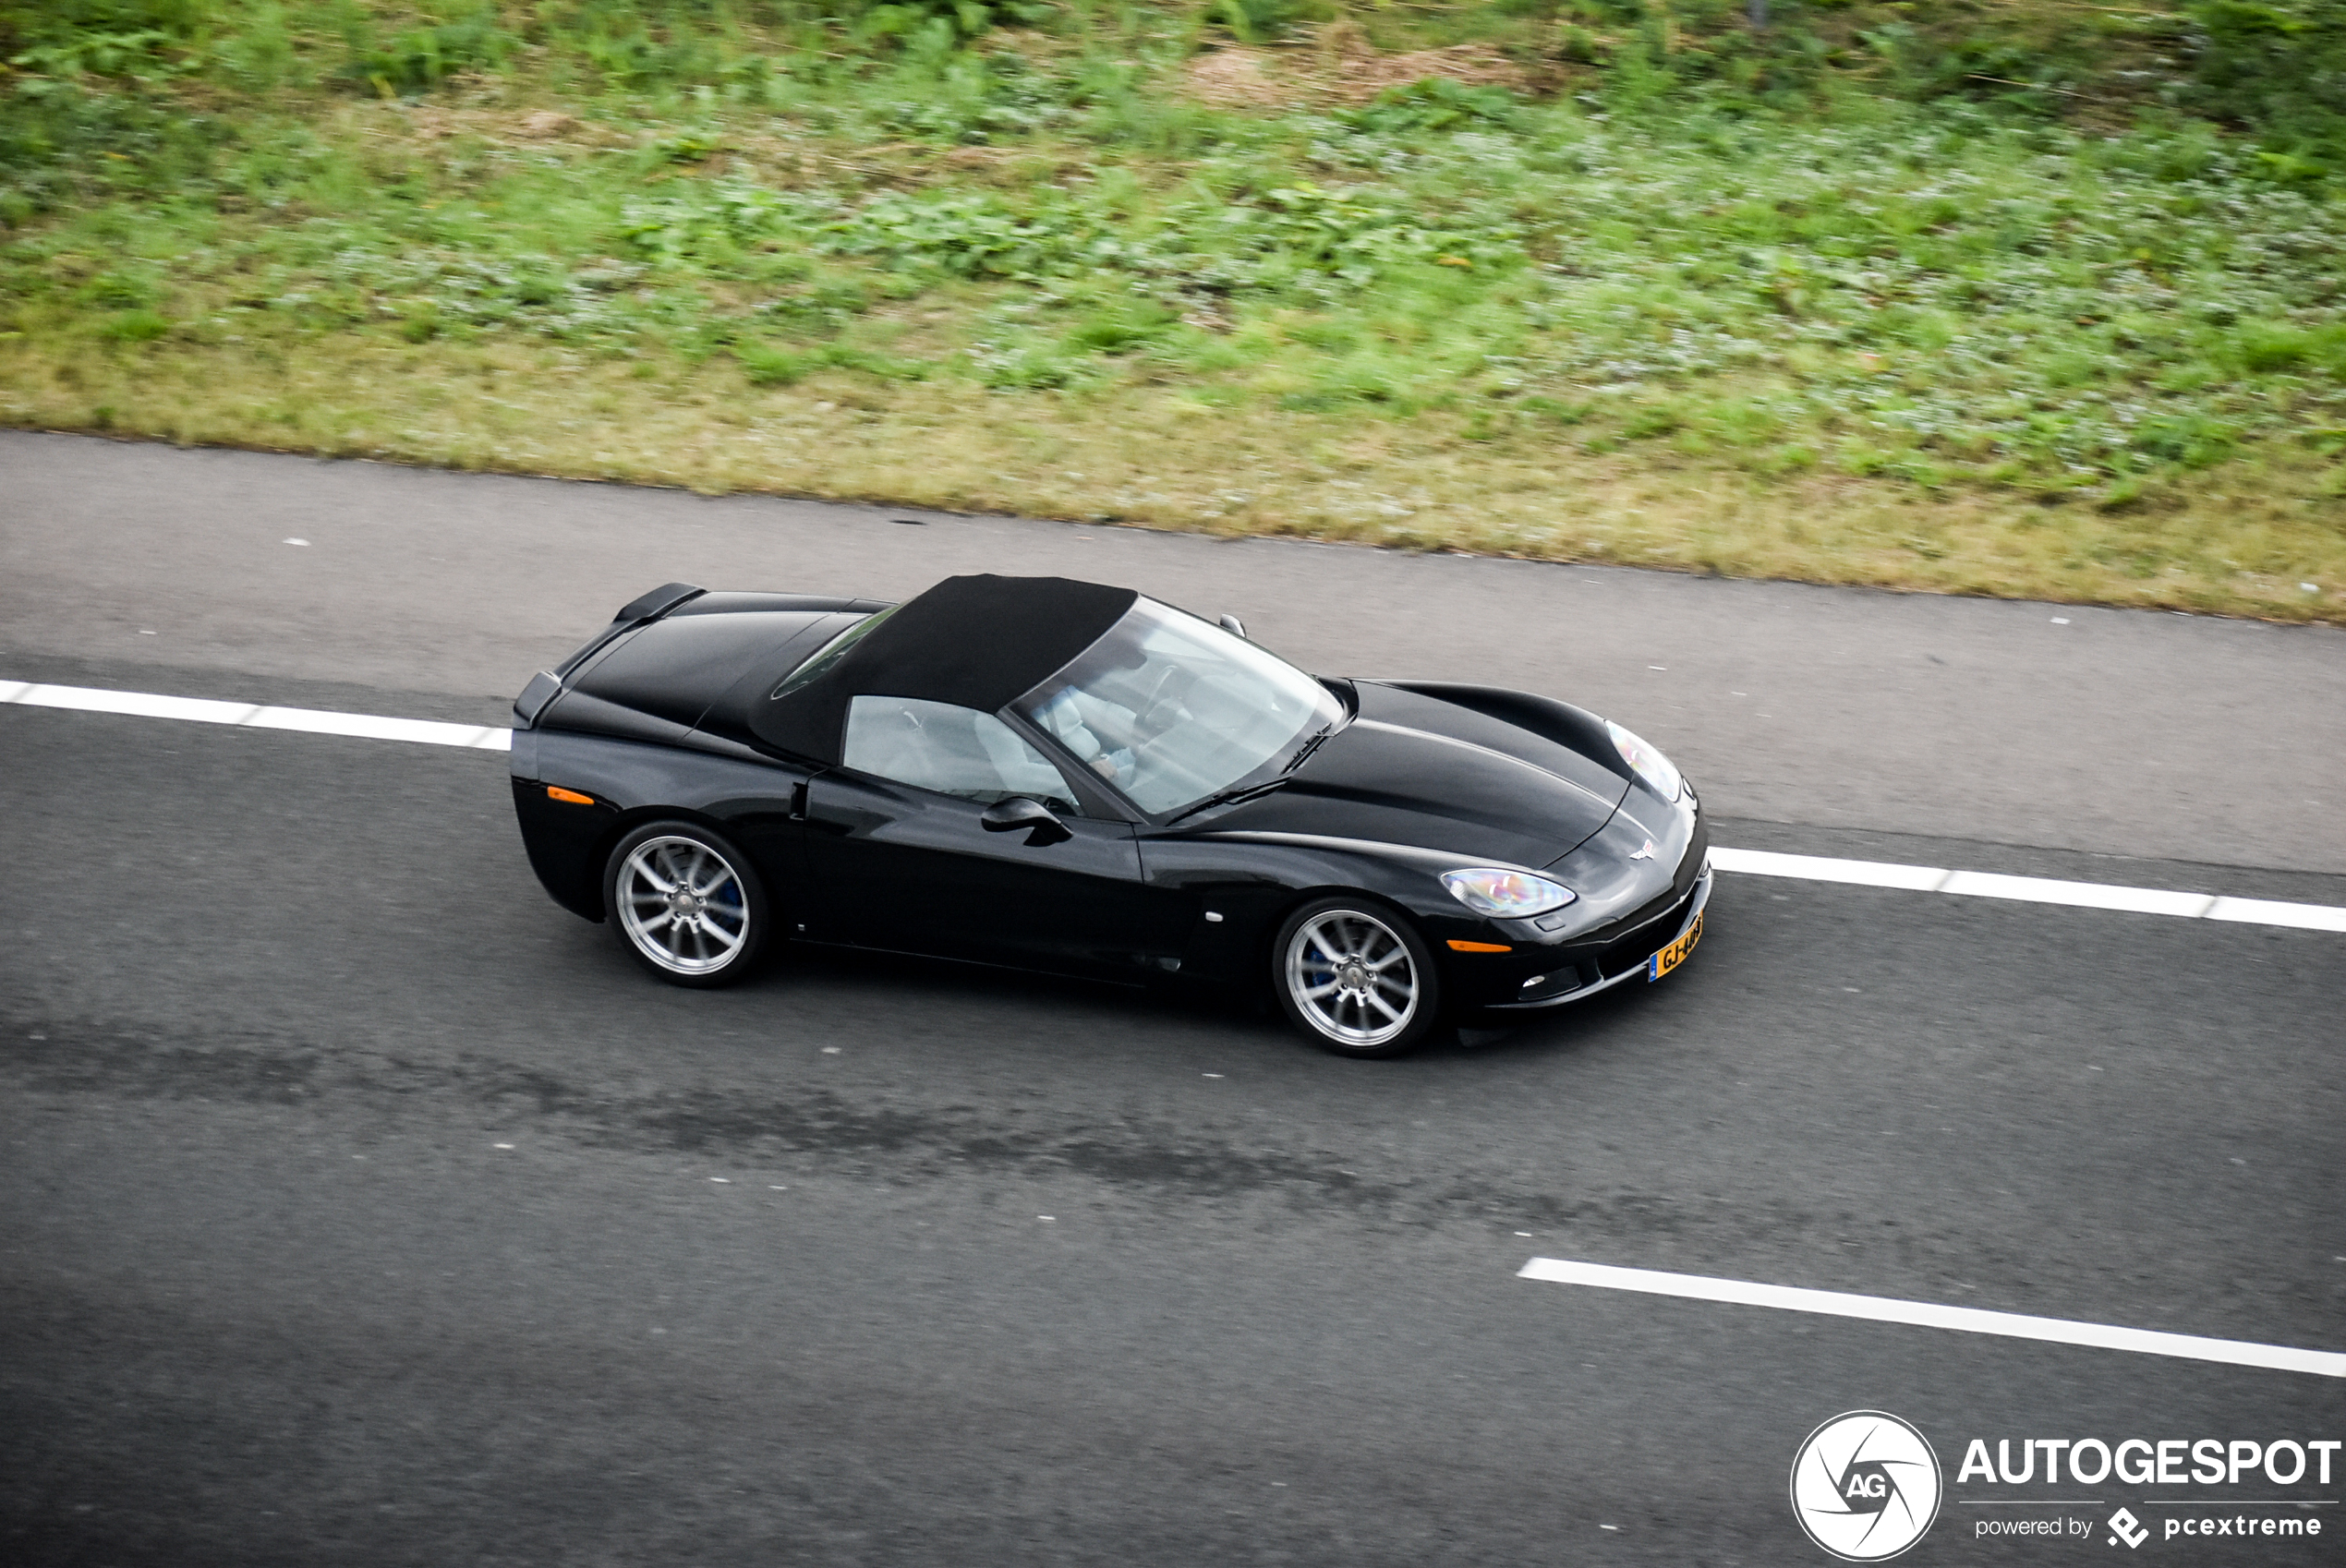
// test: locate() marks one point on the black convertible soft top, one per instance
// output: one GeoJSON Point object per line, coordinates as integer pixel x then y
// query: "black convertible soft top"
{"type": "Point", "coordinates": [976, 642]}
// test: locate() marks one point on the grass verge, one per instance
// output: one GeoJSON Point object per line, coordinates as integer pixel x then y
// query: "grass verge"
{"type": "Point", "coordinates": [1157, 457]}
{"type": "Point", "coordinates": [1806, 302]}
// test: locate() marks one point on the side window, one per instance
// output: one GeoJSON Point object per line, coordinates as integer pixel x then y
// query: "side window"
{"type": "Point", "coordinates": [954, 751]}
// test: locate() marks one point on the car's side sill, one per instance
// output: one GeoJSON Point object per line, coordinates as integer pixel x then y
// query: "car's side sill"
{"type": "Point", "coordinates": [997, 966]}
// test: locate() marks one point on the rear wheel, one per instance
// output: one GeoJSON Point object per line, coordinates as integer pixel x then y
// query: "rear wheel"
{"type": "Point", "coordinates": [1356, 977]}
{"type": "Point", "coordinates": [686, 904]}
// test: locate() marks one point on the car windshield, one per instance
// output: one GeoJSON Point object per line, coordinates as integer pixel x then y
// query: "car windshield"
{"type": "Point", "coordinates": [1171, 710]}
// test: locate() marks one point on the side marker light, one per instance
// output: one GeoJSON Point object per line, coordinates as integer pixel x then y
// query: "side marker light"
{"type": "Point", "coordinates": [556, 792]}
{"type": "Point", "coordinates": [1458, 947]}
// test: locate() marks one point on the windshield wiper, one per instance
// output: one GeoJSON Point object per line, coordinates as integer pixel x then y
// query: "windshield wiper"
{"type": "Point", "coordinates": [1309, 747]}
{"type": "Point", "coordinates": [1227, 797]}
{"type": "Point", "coordinates": [1245, 792]}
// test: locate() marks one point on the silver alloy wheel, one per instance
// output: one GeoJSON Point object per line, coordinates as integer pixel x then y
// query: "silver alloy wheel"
{"type": "Point", "coordinates": [1351, 977]}
{"type": "Point", "coordinates": [681, 905]}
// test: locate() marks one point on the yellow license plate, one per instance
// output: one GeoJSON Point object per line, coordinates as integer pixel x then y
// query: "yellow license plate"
{"type": "Point", "coordinates": [1669, 957]}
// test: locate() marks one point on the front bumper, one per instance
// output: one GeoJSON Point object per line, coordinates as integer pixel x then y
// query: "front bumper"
{"type": "Point", "coordinates": [1625, 960]}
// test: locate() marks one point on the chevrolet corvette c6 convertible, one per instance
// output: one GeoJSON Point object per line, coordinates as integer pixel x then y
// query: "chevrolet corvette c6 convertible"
{"type": "Point", "coordinates": [1060, 776]}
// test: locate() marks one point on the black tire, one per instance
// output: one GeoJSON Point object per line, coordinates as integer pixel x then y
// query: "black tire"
{"type": "Point", "coordinates": [1354, 975]}
{"type": "Point", "coordinates": [686, 904]}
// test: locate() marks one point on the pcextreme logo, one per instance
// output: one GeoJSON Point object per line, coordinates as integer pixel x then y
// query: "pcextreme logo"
{"type": "Point", "coordinates": [1864, 1486]}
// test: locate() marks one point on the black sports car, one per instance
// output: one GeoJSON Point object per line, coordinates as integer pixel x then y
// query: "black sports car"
{"type": "Point", "coordinates": [1060, 776]}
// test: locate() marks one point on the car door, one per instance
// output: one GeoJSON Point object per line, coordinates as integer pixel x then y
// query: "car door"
{"type": "Point", "coordinates": [900, 859]}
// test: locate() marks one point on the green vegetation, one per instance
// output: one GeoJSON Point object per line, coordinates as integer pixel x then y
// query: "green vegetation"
{"type": "Point", "coordinates": [2017, 298]}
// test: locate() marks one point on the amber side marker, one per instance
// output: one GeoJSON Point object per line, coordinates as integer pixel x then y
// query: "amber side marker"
{"type": "Point", "coordinates": [1458, 947]}
{"type": "Point", "coordinates": [556, 792]}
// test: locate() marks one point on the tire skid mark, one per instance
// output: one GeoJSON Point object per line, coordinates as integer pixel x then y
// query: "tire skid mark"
{"type": "Point", "coordinates": [902, 1144]}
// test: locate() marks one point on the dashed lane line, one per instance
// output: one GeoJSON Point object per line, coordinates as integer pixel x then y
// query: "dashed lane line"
{"type": "Point", "coordinates": [1754, 862]}
{"type": "Point", "coordinates": [2032, 889]}
{"type": "Point", "coordinates": [1930, 1315]}
{"type": "Point", "coordinates": [309, 720]}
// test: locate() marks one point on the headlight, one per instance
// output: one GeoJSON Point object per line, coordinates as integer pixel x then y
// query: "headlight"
{"type": "Point", "coordinates": [1505, 895]}
{"type": "Point", "coordinates": [1649, 762]}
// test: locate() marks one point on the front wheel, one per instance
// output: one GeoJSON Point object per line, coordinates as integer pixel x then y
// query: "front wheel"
{"type": "Point", "coordinates": [686, 904]}
{"type": "Point", "coordinates": [1356, 977]}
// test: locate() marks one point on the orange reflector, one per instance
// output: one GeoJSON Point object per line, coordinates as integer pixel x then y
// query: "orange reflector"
{"type": "Point", "coordinates": [556, 792]}
{"type": "Point", "coordinates": [1458, 947]}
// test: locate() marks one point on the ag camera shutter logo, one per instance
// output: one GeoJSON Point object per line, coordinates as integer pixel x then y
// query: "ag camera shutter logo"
{"type": "Point", "coordinates": [1866, 1486]}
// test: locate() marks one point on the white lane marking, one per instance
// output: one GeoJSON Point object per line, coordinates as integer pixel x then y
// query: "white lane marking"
{"type": "Point", "coordinates": [2264, 911]}
{"type": "Point", "coordinates": [487, 738]}
{"type": "Point", "coordinates": [1755, 862]}
{"type": "Point", "coordinates": [1929, 1315]}
{"type": "Point", "coordinates": [313, 721]}
{"type": "Point", "coordinates": [1816, 868]}
{"type": "Point", "coordinates": [2032, 889]}
{"type": "Point", "coordinates": [2089, 895]}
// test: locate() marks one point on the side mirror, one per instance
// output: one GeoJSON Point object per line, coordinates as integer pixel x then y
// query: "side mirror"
{"type": "Point", "coordinates": [1233, 625]}
{"type": "Point", "coordinates": [1020, 811]}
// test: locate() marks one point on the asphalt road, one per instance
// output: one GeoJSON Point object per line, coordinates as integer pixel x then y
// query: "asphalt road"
{"type": "Point", "coordinates": [357, 1205]}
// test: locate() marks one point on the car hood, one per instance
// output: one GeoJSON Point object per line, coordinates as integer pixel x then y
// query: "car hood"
{"type": "Point", "coordinates": [1419, 769]}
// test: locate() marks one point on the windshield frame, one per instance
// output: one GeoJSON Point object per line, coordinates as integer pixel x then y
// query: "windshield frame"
{"type": "Point", "coordinates": [1332, 708]}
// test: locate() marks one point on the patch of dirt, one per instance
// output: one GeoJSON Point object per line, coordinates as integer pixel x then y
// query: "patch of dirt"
{"type": "Point", "coordinates": [1340, 65]}
{"type": "Point", "coordinates": [1243, 78]}
{"type": "Point", "coordinates": [501, 128]}
{"type": "Point", "coordinates": [1358, 73]}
